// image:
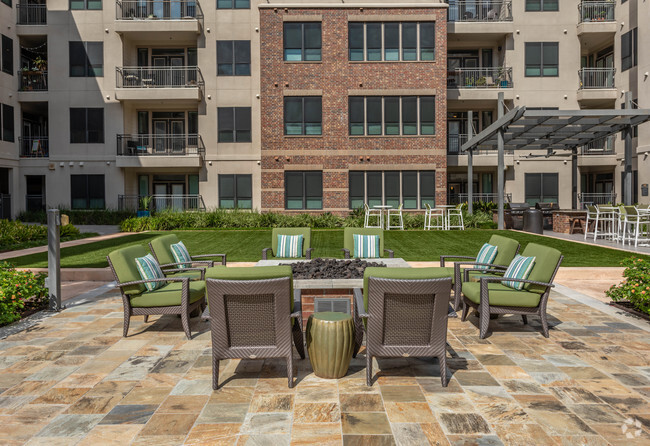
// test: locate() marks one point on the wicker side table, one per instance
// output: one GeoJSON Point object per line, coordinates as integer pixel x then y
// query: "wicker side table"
{"type": "Point", "coordinates": [330, 341]}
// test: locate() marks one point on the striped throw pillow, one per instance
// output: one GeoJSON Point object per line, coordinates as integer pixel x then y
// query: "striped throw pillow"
{"type": "Point", "coordinates": [519, 268]}
{"type": "Point", "coordinates": [289, 246]}
{"type": "Point", "coordinates": [179, 251]}
{"type": "Point", "coordinates": [149, 269]}
{"type": "Point", "coordinates": [366, 246]}
{"type": "Point", "coordinates": [487, 254]}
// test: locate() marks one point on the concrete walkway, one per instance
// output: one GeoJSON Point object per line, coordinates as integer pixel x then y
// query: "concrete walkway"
{"type": "Point", "coordinates": [580, 238]}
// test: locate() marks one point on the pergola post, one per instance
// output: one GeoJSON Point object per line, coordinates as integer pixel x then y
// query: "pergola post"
{"type": "Point", "coordinates": [500, 163]}
{"type": "Point", "coordinates": [470, 167]}
{"type": "Point", "coordinates": [574, 178]}
{"type": "Point", "coordinates": [628, 194]}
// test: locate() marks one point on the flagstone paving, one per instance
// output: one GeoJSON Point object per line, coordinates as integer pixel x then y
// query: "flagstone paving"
{"type": "Point", "coordinates": [73, 380]}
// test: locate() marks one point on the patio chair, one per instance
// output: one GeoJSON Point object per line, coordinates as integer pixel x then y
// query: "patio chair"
{"type": "Point", "coordinates": [372, 213]}
{"type": "Point", "coordinates": [436, 215]}
{"type": "Point", "coordinates": [161, 248]}
{"type": "Point", "coordinates": [404, 313]}
{"type": "Point", "coordinates": [638, 224]}
{"type": "Point", "coordinates": [455, 218]}
{"type": "Point", "coordinates": [180, 295]}
{"type": "Point", "coordinates": [348, 241]}
{"type": "Point", "coordinates": [306, 242]}
{"type": "Point", "coordinates": [253, 314]}
{"type": "Point", "coordinates": [490, 296]}
{"type": "Point", "coordinates": [395, 214]}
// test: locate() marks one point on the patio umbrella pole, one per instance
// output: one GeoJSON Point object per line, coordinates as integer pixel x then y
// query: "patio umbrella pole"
{"type": "Point", "coordinates": [470, 167]}
{"type": "Point", "coordinates": [501, 162]}
{"type": "Point", "coordinates": [54, 259]}
{"type": "Point", "coordinates": [628, 196]}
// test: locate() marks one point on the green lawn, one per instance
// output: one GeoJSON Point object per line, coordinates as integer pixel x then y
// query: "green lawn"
{"type": "Point", "coordinates": [247, 246]}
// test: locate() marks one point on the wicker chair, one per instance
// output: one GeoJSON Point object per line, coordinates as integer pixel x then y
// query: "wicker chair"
{"type": "Point", "coordinates": [306, 241]}
{"type": "Point", "coordinates": [348, 240]}
{"type": "Point", "coordinates": [490, 296]}
{"type": "Point", "coordinates": [254, 318]}
{"type": "Point", "coordinates": [405, 312]}
{"type": "Point", "coordinates": [162, 251]}
{"type": "Point", "coordinates": [181, 295]}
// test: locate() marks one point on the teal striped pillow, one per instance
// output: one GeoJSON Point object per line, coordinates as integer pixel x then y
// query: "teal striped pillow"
{"type": "Point", "coordinates": [289, 246]}
{"type": "Point", "coordinates": [179, 251]}
{"type": "Point", "coordinates": [487, 254]}
{"type": "Point", "coordinates": [149, 269]}
{"type": "Point", "coordinates": [366, 246]}
{"type": "Point", "coordinates": [519, 268]}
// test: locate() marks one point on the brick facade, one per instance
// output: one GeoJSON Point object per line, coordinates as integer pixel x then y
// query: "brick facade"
{"type": "Point", "coordinates": [336, 78]}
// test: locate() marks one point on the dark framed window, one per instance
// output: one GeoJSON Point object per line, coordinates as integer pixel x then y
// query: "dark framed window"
{"type": "Point", "coordinates": [391, 41]}
{"type": "Point", "coordinates": [303, 115]}
{"type": "Point", "coordinates": [7, 2]}
{"type": "Point", "coordinates": [234, 124]}
{"type": "Point", "coordinates": [303, 190]}
{"type": "Point", "coordinates": [236, 191]}
{"type": "Point", "coordinates": [392, 188]}
{"type": "Point", "coordinates": [86, 4]}
{"type": "Point", "coordinates": [87, 192]}
{"type": "Point", "coordinates": [392, 115]}
{"type": "Point", "coordinates": [302, 41]}
{"type": "Point", "coordinates": [541, 188]}
{"type": "Point", "coordinates": [7, 55]}
{"type": "Point", "coordinates": [233, 58]}
{"type": "Point", "coordinates": [87, 125]}
{"type": "Point", "coordinates": [629, 50]}
{"type": "Point", "coordinates": [542, 59]}
{"type": "Point", "coordinates": [7, 123]}
{"type": "Point", "coordinates": [542, 5]}
{"type": "Point", "coordinates": [86, 59]}
{"type": "Point", "coordinates": [233, 4]}
{"type": "Point", "coordinates": [427, 189]}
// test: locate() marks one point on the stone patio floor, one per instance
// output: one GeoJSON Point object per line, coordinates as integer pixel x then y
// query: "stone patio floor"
{"type": "Point", "coordinates": [73, 379]}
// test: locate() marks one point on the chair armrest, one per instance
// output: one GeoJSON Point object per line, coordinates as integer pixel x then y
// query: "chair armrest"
{"type": "Point", "coordinates": [308, 254]}
{"type": "Point", "coordinates": [177, 265]}
{"type": "Point", "coordinates": [203, 256]}
{"type": "Point", "coordinates": [178, 270]}
{"type": "Point", "coordinates": [490, 265]}
{"type": "Point", "coordinates": [166, 279]}
{"type": "Point", "coordinates": [503, 279]}
{"type": "Point", "coordinates": [444, 258]}
{"type": "Point", "coordinates": [358, 303]}
{"type": "Point", "coordinates": [391, 253]}
{"type": "Point", "coordinates": [346, 253]}
{"type": "Point", "coordinates": [469, 270]}
{"type": "Point", "coordinates": [297, 304]}
{"type": "Point", "coordinates": [264, 253]}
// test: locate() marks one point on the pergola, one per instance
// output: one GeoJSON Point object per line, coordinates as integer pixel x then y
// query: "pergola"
{"type": "Point", "coordinates": [553, 131]}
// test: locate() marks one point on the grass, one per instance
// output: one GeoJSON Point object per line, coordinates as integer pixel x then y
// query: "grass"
{"type": "Point", "coordinates": [247, 246]}
{"type": "Point", "coordinates": [43, 242]}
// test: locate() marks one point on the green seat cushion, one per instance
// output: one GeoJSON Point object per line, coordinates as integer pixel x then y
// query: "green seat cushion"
{"type": "Point", "coordinates": [546, 260]}
{"type": "Point", "coordinates": [168, 296]}
{"type": "Point", "coordinates": [162, 248]}
{"type": "Point", "coordinates": [123, 261]}
{"type": "Point", "coordinates": [501, 295]}
{"type": "Point", "coordinates": [306, 238]}
{"type": "Point", "coordinates": [448, 271]}
{"type": "Point", "coordinates": [506, 249]}
{"type": "Point", "coordinates": [191, 274]}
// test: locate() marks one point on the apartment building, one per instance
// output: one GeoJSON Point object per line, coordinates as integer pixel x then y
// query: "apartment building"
{"type": "Point", "coordinates": [294, 106]}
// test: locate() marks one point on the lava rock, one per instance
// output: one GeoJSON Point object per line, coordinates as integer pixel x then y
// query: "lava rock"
{"type": "Point", "coordinates": [331, 269]}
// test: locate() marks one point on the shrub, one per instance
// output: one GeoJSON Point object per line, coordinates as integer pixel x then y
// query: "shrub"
{"type": "Point", "coordinates": [635, 288]}
{"type": "Point", "coordinates": [19, 291]}
{"type": "Point", "coordinates": [14, 234]}
{"type": "Point", "coordinates": [81, 217]}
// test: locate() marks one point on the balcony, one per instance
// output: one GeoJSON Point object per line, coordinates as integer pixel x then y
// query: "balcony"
{"type": "Point", "coordinates": [31, 14]}
{"type": "Point", "coordinates": [34, 147]}
{"type": "Point", "coordinates": [147, 16]}
{"type": "Point", "coordinates": [603, 146]}
{"type": "Point", "coordinates": [478, 198]}
{"type": "Point", "coordinates": [160, 150]}
{"type": "Point", "coordinates": [192, 202]}
{"type": "Point", "coordinates": [32, 80]}
{"type": "Point", "coordinates": [145, 83]}
{"type": "Point", "coordinates": [480, 16]}
{"type": "Point", "coordinates": [596, 86]}
{"type": "Point", "coordinates": [590, 199]}
{"type": "Point", "coordinates": [479, 84]}
{"type": "Point", "coordinates": [597, 18]}
{"type": "Point", "coordinates": [458, 158]}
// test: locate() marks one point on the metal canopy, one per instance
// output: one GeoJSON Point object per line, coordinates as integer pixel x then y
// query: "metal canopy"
{"type": "Point", "coordinates": [554, 129]}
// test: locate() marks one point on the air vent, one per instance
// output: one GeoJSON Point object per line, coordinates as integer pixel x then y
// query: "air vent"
{"type": "Point", "coordinates": [338, 305]}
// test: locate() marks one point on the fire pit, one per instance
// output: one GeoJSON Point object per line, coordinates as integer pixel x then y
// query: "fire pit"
{"type": "Point", "coordinates": [332, 269]}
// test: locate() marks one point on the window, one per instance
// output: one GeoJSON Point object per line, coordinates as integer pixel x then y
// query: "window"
{"type": "Point", "coordinates": [541, 188]}
{"type": "Point", "coordinates": [233, 58]}
{"type": "Point", "coordinates": [392, 188]}
{"type": "Point", "coordinates": [7, 123]}
{"type": "Point", "coordinates": [303, 115]}
{"type": "Point", "coordinates": [542, 5]}
{"type": "Point", "coordinates": [86, 4]}
{"type": "Point", "coordinates": [302, 41]}
{"type": "Point", "coordinates": [87, 191]}
{"type": "Point", "coordinates": [87, 125]}
{"type": "Point", "coordinates": [392, 115]}
{"type": "Point", "coordinates": [86, 59]}
{"type": "Point", "coordinates": [233, 4]}
{"type": "Point", "coordinates": [235, 191]}
{"type": "Point", "coordinates": [303, 190]}
{"type": "Point", "coordinates": [7, 2]}
{"type": "Point", "coordinates": [542, 59]}
{"type": "Point", "coordinates": [234, 124]}
{"type": "Point", "coordinates": [7, 55]}
{"type": "Point", "coordinates": [391, 41]}
{"type": "Point", "coordinates": [629, 50]}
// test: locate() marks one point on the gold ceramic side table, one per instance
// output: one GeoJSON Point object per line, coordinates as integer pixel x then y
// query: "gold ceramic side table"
{"type": "Point", "coordinates": [330, 341]}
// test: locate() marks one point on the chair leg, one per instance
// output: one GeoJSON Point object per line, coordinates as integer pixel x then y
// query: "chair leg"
{"type": "Point", "coordinates": [298, 340]}
{"type": "Point", "coordinates": [524, 318]}
{"type": "Point", "coordinates": [185, 321]}
{"type": "Point", "coordinates": [127, 321]}
{"type": "Point", "coordinates": [146, 318]}
{"type": "Point", "coordinates": [463, 317]}
{"type": "Point", "coordinates": [290, 369]}
{"type": "Point", "coordinates": [443, 369]}
{"type": "Point", "coordinates": [368, 368]}
{"type": "Point", "coordinates": [215, 373]}
{"type": "Point", "coordinates": [544, 323]}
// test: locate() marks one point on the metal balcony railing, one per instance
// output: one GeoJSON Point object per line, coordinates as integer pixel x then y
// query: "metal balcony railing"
{"type": "Point", "coordinates": [31, 14]}
{"type": "Point", "coordinates": [32, 80]}
{"type": "Point", "coordinates": [491, 77]}
{"type": "Point", "coordinates": [160, 145]}
{"type": "Point", "coordinates": [588, 198]}
{"type": "Point", "coordinates": [159, 77]}
{"type": "Point", "coordinates": [482, 197]}
{"type": "Point", "coordinates": [34, 147]}
{"type": "Point", "coordinates": [596, 11]}
{"type": "Point", "coordinates": [603, 146]}
{"type": "Point", "coordinates": [479, 11]}
{"type": "Point", "coordinates": [597, 78]}
{"type": "Point", "coordinates": [455, 142]}
{"type": "Point", "coordinates": [159, 202]}
{"type": "Point", "coordinates": [158, 10]}
{"type": "Point", "coordinates": [35, 202]}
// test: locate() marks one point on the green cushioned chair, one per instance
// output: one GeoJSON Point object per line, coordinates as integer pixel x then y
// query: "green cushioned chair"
{"type": "Point", "coordinates": [180, 295]}
{"type": "Point", "coordinates": [348, 240]}
{"type": "Point", "coordinates": [306, 242]}
{"type": "Point", "coordinates": [405, 312]}
{"type": "Point", "coordinates": [162, 251]}
{"type": "Point", "coordinates": [490, 296]}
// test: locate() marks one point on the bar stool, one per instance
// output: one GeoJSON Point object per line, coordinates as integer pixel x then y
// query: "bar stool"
{"type": "Point", "coordinates": [369, 213]}
{"type": "Point", "coordinates": [435, 215]}
{"type": "Point", "coordinates": [398, 214]}
{"type": "Point", "coordinates": [638, 224]}
{"type": "Point", "coordinates": [457, 213]}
